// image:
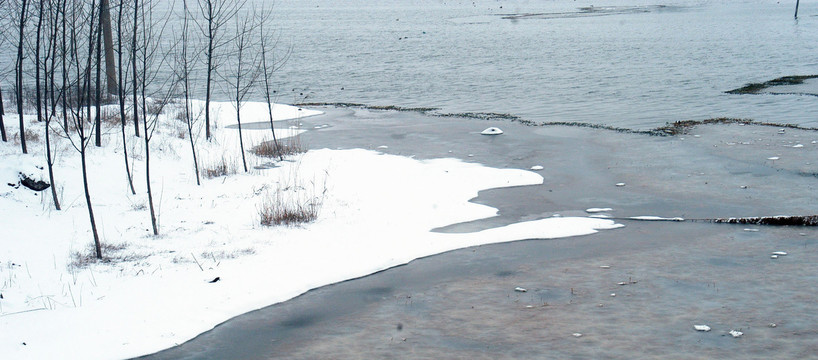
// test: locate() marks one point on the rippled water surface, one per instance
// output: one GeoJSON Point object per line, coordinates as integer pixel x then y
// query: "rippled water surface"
{"type": "Point", "coordinates": [633, 64]}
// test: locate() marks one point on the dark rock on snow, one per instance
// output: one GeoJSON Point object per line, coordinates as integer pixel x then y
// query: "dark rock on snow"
{"type": "Point", "coordinates": [36, 185]}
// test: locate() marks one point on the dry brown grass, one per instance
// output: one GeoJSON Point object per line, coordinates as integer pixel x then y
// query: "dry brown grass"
{"type": "Point", "coordinates": [285, 147]}
{"type": "Point", "coordinates": [31, 137]}
{"type": "Point", "coordinates": [110, 253]}
{"type": "Point", "coordinates": [291, 207]}
{"type": "Point", "coordinates": [222, 167]}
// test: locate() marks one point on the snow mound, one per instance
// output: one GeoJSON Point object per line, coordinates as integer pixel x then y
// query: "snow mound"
{"type": "Point", "coordinates": [492, 131]}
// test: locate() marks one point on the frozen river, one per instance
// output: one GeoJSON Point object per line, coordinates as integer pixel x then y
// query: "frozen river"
{"type": "Point", "coordinates": [625, 64]}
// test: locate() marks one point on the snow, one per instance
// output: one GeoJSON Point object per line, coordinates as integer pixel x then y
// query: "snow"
{"type": "Point", "coordinates": [377, 212]}
{"type": "Point", "coordinates": [655, 218]}
{"type": "Point", "coordinates": [492, 131]}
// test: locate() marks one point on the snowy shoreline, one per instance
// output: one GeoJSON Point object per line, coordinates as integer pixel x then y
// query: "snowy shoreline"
{"type": "Point", "coordinates": [378, 211]}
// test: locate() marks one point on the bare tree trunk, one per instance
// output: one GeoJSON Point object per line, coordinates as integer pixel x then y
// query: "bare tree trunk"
{"type": "Point", "coordinates": [152, 33]}
{"type": "Point", "coordinates": [97, 245]}
{"type": "Point", "coordinates": [133, 63]}
{"type": "Point", "coordinates": [185, 62]}
{"type": "Point", "coordinates": [238, 106]}
{"type": "Point", "coordinates": [98, 87]}
{"type": "Point", "coordinates": [84, 138]}
{"type": "Point", "coordinates": [64, 54]}
{"type": "Point", "coordinates": [38, 97]}
{"type": "Point", "coordinates": [148, 178]}
{"type": "Point", "coordinates": [189, 117]}
{"type": "Point", "coordinates": [49, 86]}
{"type": "Point", "coordinates": [81, 135]}
{"type": "Point", "coordinates": [121, 94]}
{"type": "Point", "coordinates": [210, 40]}
{"type": "Point", "coordinates": [19, 75]}
{"type": "Point", "coordinates": [110, 67]}
{"type": "Point", "coordinates": [240, 47]}
{"type": "Point", "coordinates": [2, 113]}
{"type": "Point", "coordinates": [146, 38]}
{"type": "Point", "coordinates": [238, 119]}
{"type": "Point", "coordinates": [267, 69]}
{"type": "Point", "coordinates": [90, 62]}
{"type": "Point", "coordinates": [50, 162]}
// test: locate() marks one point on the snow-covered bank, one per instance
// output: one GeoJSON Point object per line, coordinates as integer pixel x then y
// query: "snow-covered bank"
{"type": "Point", "coordinates": [377, 212]}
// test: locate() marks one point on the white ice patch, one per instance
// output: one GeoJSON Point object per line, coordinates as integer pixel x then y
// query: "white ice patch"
{"type": "Point", "coordinates": [656, 218]}
{"type": "Point", "coordinates": [492, 131]}
{"type": "Point", "coordinates": [701, 327]}
{"type": "Point", "coordinates": [597, 210]}
{"type": "Point", "coordinates": [537, 167]}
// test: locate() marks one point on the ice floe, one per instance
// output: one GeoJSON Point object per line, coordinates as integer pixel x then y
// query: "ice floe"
{"type": "Point", "coordinates": [492, 131]}
{"type": "Point", "coordinates": [701, 327]}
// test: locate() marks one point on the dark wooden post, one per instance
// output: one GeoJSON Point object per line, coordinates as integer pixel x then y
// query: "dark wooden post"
{"type": "Point", "coordinates": [796, 8]}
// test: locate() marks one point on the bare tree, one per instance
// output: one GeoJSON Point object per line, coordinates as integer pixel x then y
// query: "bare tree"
{"type": "Point", "coordinates": [64, 55]}
{"type": "Point", "coordinates": [184, 67]}
{"type": "Point", "coordinates": [2, 109]}
{"type": "Point", "coordinates": [269, 64]}
{"type": "Point", "coordinates": [152, 58]}
{"type": "Point", "coordinates": [48, 82]}
{"type": "Point", "coordinates": [79, 134]}
{"type": "Point", "coordinates": [2, 113]}
{"type": "Point", "coordinates": [98, 86]}
{"type": "Point", "coordinates": [110, 67]}
{"type": "Point", "coordinates": [42, 55]}
{"type": "Point", "coordinates": [121, 91]}
{"type": "Point", "coordinates": [244, 71]}
{"type": "Point", "coordinates": [18, 70]}
{"type": "Point", "coordinates": [37, 63]}
{"type": "Point", "coordinates": [215, 14]}
{"type": "Point", "coordinates": [135, 78]}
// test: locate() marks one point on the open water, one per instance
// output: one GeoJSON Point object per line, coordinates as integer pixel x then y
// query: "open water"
{"type": "Point", "coordinates": [634, 64]}
{"type": "Point", "coordinates": [624, 63]}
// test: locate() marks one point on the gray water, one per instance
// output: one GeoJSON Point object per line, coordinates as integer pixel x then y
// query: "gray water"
{"type": "Point", "coordinates": [636, 64]}
{"type": "Point", "coordinates": [622, 63]}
